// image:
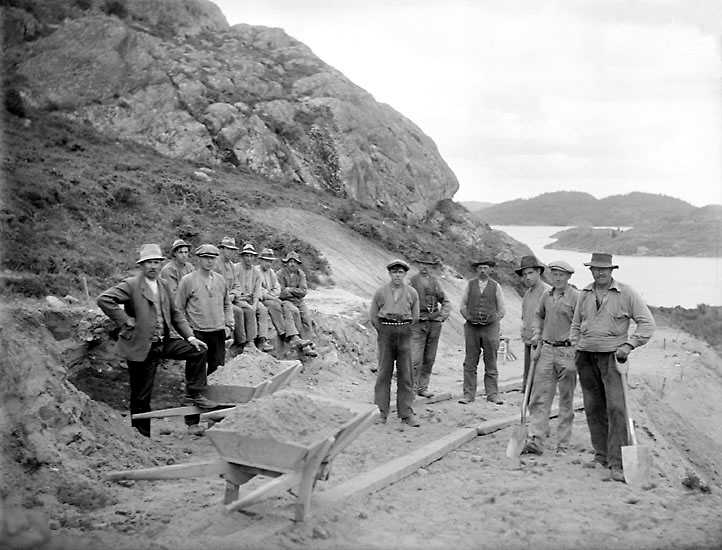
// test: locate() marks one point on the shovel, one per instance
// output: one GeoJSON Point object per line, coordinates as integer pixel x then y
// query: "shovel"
{"type": "Point", "coordinates": [635, 458]}
{"type": "Point", "coordinates": [519, 433]}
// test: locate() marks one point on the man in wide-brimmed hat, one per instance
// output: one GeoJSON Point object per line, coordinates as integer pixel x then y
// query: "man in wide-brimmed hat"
{"type": "Point", "coordinates": [178, 266]}
{"type": "Point", "coordinates": [600, 334]}
{"type": "Point", "coordinates": [434, 309]}
{"type": "Point", "coordinates": [294, 287]}
{"type": "Point", "coordinates": [530, 270]}
{"type": "Point", "coordinates": [249, 295]}
{"type": "Point", "coordinates": [394, 308]}
{"type": "Point", "coordinates": [144, 309]}
{"type": "Point", "coordinates": [225, 265]}
{"type": "Point", "coordinates": [482, 305]}
{"type": "Point", "coordinates": [554, 358]}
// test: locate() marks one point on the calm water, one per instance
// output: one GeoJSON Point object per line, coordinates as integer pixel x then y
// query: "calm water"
{"type": "Point", "coordinates": [662, 281]}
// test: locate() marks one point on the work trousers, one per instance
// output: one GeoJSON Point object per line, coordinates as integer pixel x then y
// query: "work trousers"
{"type": "Point", "coordinates": [478, 339]}
{"type": "Point", "coordinates": [270, 310]}
{"type": "Point", "coordinates": [215, 357]}
{"type": "Point", "coordinates": [603, 404]}
{"type": "Point", "coordinates": [142, 376]}
{"type": "Point", "coordinates": [298, 318]}
{"type": "Point", "coordinates": [394, 347]}
{"type": "Point", "coordinates": [246, 326]}
{"type": "Point", "coordinates": [555, 366]}
{"type": "Point", "coordinates": [424, 343]}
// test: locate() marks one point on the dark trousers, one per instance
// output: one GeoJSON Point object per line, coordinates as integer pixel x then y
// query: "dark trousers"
{"type": "Point", "coordinates": [603, 405]}
{"type": "Point", "coordinates": [216, 342]}
{"type": "Point", "coordinates": [478, 339]}
{"type": "Point", "coordinates": [394, 343]}
{"type": "Point", "coordinates": [142, 376]}
{"type": "Point", "coordinates": [424, 342]}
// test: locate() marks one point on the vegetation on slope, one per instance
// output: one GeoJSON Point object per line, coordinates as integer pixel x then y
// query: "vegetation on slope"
{"type": "Point", "coordinates": [76, 205]}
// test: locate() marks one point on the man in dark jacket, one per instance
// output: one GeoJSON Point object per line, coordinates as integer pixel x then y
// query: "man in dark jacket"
{"type": "Point", "coordinates": [434, 309]}
{"type": "Point", "coordinates": [144, 309]}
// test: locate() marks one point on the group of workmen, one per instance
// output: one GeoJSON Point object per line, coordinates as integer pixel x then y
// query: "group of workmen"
{"type": "Point", "coordinates": [196, 313]}
{"type": "Point", "coordinates": [566, 332]}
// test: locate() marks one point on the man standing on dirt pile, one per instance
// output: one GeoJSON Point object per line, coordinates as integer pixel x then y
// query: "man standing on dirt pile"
{"type": "Point", "coordinates": [599, 333]}
{"type": "Point", "coordinates": [148, 313]}
{"type": "Point", "coordinates": [530, 270]}
{"type": "Point", "coordinates": [482, 305]}
{"type": "Point", "coordinates": [394, 307]}
{"type": "Point", "coordinates": [555, 360]}
{"type": "Point", "coordinates": [249, 294]}
{"type": "Point", "coordinates": [434, 309]}
{"type": "Point", "coordinates": [293, 291]}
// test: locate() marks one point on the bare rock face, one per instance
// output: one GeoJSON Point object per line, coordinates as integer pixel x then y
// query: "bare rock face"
{"type": "Point", "coordinates": [247, 95]}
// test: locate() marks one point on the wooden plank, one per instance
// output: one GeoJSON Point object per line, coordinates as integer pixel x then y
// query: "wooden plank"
{"type": "Point", "coordinates": [395, 470]}
{"type": "Point", "coordinates": [444, 396]}
{"type": "Point", "coordinates": [174, 471]}
{"type": "Point", "coordinates": [175, 411]}
{"type": "Point", "coordinates": [228, 395]}
{"type": "Point", "coordinates": [391, 472]}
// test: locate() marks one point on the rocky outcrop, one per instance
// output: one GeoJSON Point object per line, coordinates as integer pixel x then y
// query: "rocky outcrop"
{"type": "Point", "coordinates": [247, 95]}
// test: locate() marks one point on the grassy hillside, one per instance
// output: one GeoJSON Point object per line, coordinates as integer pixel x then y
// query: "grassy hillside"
{"type": "Point", "coordinates": [76, 205]}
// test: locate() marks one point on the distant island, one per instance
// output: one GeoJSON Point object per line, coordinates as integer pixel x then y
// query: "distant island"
{"type": "Point", "coordinates": [641, 224]}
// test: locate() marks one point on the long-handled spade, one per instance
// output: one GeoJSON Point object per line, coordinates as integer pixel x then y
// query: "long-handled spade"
{"type": "Point", "coordinates": [635, 458]}
{"type": "Point", "coordinates": [519, 433]}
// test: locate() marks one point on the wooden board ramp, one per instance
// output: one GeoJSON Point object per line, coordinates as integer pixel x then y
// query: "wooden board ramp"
{"type": "Point", "coordinates": [391, 472]}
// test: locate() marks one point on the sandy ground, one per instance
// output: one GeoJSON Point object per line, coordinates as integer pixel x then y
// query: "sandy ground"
{"type": "Point", "coordinates": [474, 497]}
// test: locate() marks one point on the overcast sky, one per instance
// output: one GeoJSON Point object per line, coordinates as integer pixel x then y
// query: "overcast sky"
{"type": "Point", "coordinates": [524, 97]}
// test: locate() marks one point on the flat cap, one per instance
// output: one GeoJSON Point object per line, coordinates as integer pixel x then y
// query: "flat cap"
{"type": "Point", "coordinates": [561, 265]}
{"type": "Point", "coordinates": [207, 250]}
{"type": "Point", "coordinates": [398, 263]}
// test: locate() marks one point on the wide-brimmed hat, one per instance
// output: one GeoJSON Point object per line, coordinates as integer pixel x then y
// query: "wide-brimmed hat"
{"type": "Point", "coordinates": [149, 252]}
{"type": "Point", "coordinates": [427, 258]}
{"type": "Point", "coordinates": [178, 243]}
{"type": "Point", "coordinates": [248, 248]}
{"type": "Point", "coordinates": [398, 263]}
{"type": "Point", "coordinates": [561, 265]}
{"type": "Point", "coordinates": [293, 255]}
{"type": "Point", "coordinates": [601, 259]}
{"type": "Point", "coordinates": [529, 261]}
{"type": "Point", "coordinates": [228, 242]}
{"type": "Point", "coordinates": [267, 254]}
{"type": "Point", "coordinates": [207, 250]}
{"type": "Point", "coordinates": [483, 261]}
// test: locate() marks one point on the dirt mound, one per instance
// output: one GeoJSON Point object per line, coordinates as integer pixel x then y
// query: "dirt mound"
{"type": "Point", "coordinates": [288, 417]}
{"type": "Point", "coordinates": [247, 369]}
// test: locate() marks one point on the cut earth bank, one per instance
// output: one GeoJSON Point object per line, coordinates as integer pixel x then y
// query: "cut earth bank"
{"type": "Point", "coordinates": [57, 444]}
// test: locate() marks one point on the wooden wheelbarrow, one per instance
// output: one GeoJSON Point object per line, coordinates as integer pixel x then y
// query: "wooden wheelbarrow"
{"type": "Point", "coordinates": [241, 458]}
{"type": "Point", "coordinates": [229, 396]}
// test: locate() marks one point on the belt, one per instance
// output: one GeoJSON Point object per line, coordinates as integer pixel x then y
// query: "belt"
{"type": "Point", "coordinates": [156, 339]}
{"type": "Point", "coordinates": [394, 323]}
{"type": "Point", "coordinates": [560, 344]}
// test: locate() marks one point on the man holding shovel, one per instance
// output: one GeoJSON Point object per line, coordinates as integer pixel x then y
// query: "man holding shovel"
{"type": "Point", "coordinates": [599, 333]}
{"type": "Point", "coordinates": [554, 358]}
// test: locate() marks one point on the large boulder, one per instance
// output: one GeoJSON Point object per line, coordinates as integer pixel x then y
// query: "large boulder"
{"type": "Point", "coordinates": [248, 95]}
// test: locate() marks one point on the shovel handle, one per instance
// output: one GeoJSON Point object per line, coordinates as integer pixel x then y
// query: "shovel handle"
{"type": "Point", "coordinates": [630, 422]}
{"type": "Point", "coordinates": [527, 390]}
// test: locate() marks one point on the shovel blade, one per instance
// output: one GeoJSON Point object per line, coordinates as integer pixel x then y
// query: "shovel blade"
{"type": "Point", "coordinates": [636, 462]}
{"type": "Point", "coordinates": [516, 442]}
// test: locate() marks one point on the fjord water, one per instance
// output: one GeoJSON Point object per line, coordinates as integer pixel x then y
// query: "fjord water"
{"type": "Point", "coordinates": [662, 281]}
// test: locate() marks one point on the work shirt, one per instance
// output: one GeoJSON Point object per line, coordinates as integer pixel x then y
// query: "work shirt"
{"type": "Point", "coordinates": [500, 306]}
{"type": "Point", "coordinates": [293, 284]}
{"type": "Point", "coordinates": [228, 270]}
{"type": "Point", "coordinates": [553, 317]}
{"type": "Point", "coordinates": [434, 304]}
{"type": "Point", "coordinates": [605, 328]}
{"type": "Point", "coordinates": [205, 302]}
{"type": "Point", "coordinates": [172, 273]}
{"type": "Point", "coordinates": [529, 305]}
{"type": "Point", "coordinates": [394, 303]}
{"type": "Point", "coordinates": [270, 288]}
{"type": "Point", "coordinates": [249, 282]}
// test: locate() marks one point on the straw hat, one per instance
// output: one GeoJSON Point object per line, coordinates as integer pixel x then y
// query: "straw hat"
{"type": "Point", "coordinates": [149, 252]}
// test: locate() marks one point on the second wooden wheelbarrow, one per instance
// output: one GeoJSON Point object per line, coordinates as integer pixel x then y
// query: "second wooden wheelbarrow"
{"type": "Point", "coordinates": [230, 395]}
{"type": "Point", "coordinates": [292, 466]}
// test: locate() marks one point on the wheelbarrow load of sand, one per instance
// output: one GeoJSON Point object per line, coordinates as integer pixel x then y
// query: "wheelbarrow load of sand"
{"type": "Point", "coordinates": [244, 378]}
{"type": "Point", "coordinates": [290, 437]}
